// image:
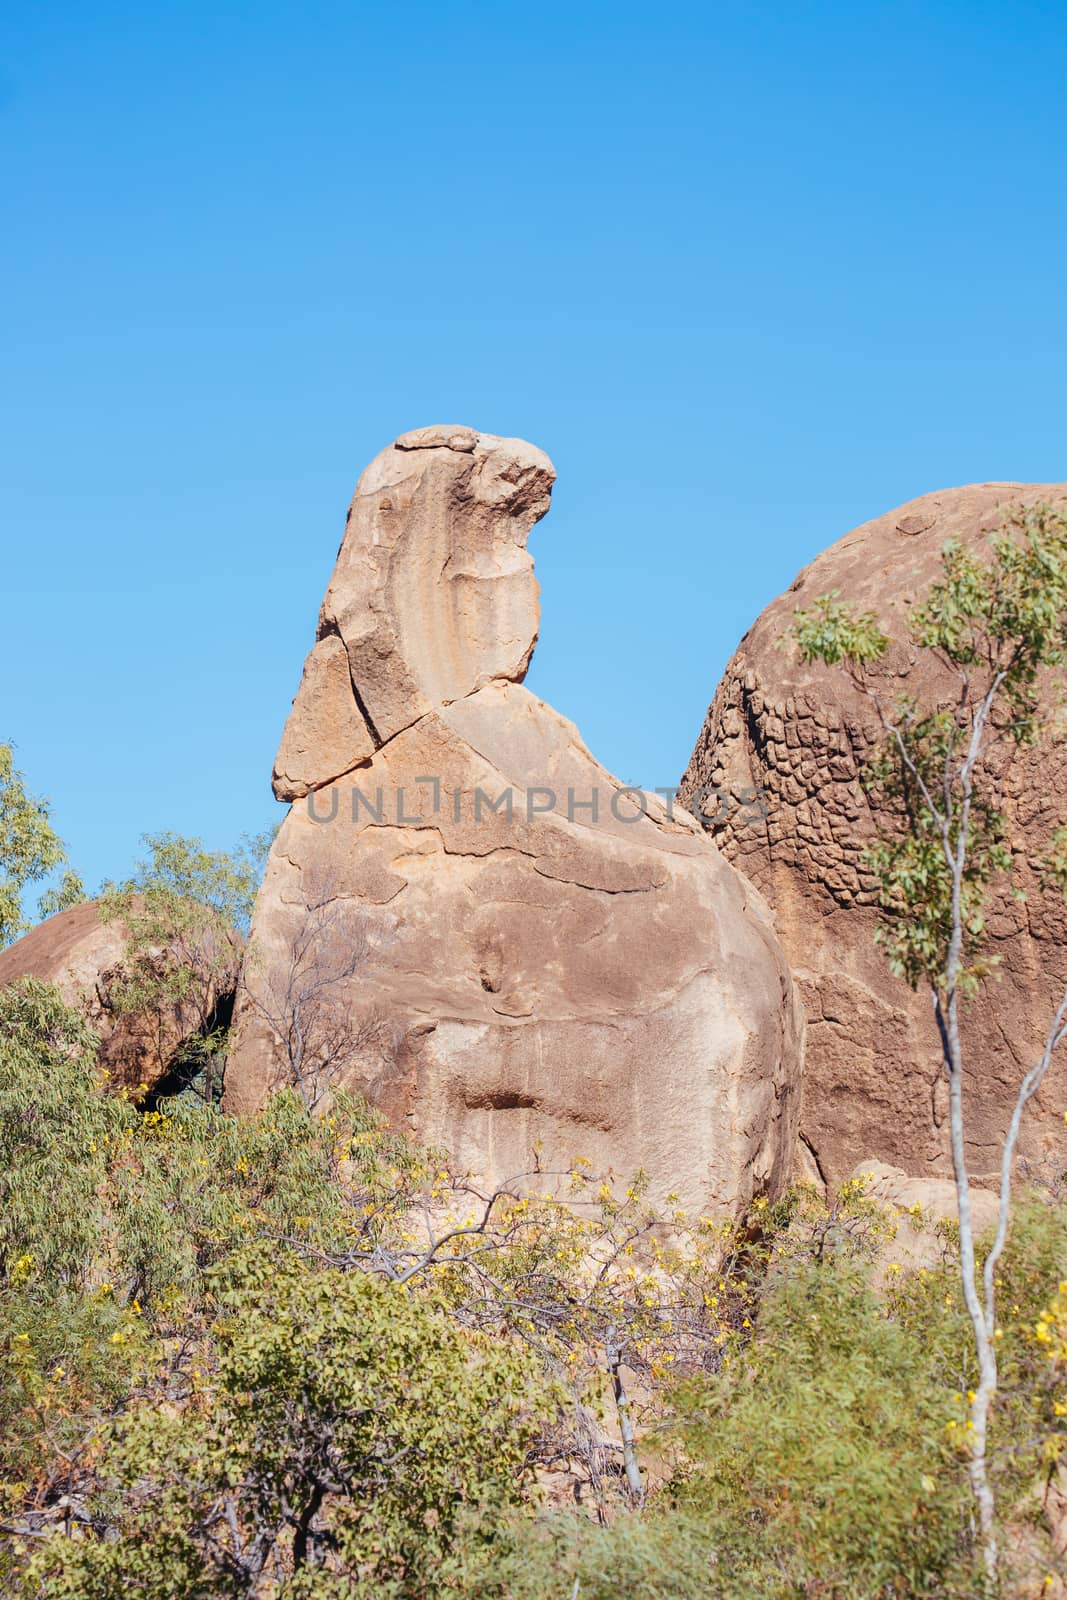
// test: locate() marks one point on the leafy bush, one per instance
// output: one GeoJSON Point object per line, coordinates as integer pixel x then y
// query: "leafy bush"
{"type": "Point", "coordinates": [185, 912]}
{"type": "Point", "coordinates": [347, 1432]}
{"type": "Point", "coordinates": [828, 1455]}
{"type": "Point", "coordinates": [295, 1357]}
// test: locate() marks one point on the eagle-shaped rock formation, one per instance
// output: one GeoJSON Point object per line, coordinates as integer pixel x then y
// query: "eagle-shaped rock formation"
{"type": "Point", "coordinates": [464, 916]}
{"type": "Point", "coordinates": [873, 1083]}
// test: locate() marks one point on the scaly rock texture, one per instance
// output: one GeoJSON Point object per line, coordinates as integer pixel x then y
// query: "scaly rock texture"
{"type": "Point", "coordinates": [83, 956]}
{"type": "Point", "coordinates": [464, 916]}
{"type": "Point", "coordinates": [775, 772]}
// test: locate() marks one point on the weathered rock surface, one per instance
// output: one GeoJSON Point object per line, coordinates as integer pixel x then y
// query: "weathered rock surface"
{"type": "Point", "coordinates": [483, 931]}
{"type": "Point", "coordinates": [82, 955]}
{"type": "Point", "coordinates": [433, 596]}
{"type": "Point", "coordinates": [798, 735]}
{"type": "Point", "coordinates": [914, 1207]}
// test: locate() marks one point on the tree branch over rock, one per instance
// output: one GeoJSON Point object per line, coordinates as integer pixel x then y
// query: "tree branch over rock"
{"type": "Point", "coordinates": [999, 626]}
{"type": "Point", "coordinates": [303, 994]}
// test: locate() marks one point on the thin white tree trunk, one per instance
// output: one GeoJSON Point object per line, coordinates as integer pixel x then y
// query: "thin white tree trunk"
{"type": "Point", "coordinates": [985, 1348]}
{"type": "Point", "coordinates": [634, 1480]}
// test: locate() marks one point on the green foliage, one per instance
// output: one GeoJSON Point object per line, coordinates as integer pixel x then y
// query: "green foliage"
{"type": "Point", "coordinates": [55, 1130]}
{"type": "Point", "coordinates": [912, 857]}
{"type": "Point", "coordinates": [294, 1357]}
{"type": "Point", "coordinates": [828, 631]}
{"type": "Point", "coordinates": [1004, 617]}
{"type": "Point", "coordinates": [184, 910]}
{"type": "Point", "coordinates": [997, 623]}
{"type": "Point", "coordinates": [109, 1220]}
{"type": "Point", "coordinates": [180, 870]}
{"type": "Point", "coordinates": [997, 628]}
{"type": "Point", "coordinates": [659, 1554]}
{"type": "Point", "coordinates": [348, 1433]}
{"type": "Point", "coordinates": [69, 891]}
{"type": "Point", "coordinates": [93, 1190]}
{"type": "Point", "coordinates": [827, 1456]}
{"type": "Point", "coordinates": [1054, 864]}
{"type": "Point", "coordinates": [828, 1436]}
{"type": "Point", "coordinates": [69, 1359]}
{"type": "Point", "coordinates": [929, 1304]}
{"type": "Point", "coordinates": [29, 846]}
{"type": "Point", "coordinates": [158, 1268]}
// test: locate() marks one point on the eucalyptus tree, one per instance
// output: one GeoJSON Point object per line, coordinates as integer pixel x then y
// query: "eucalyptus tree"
{"type": "Point", "coordinates": [995, 621]}
{"type": "Point", "coordinates": [30, 849]}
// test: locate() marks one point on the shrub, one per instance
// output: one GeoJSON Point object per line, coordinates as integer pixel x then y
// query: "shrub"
{"type": "Point", "coordinates": [347, 1433]}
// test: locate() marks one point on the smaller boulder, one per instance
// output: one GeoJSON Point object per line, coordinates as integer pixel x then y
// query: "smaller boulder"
{"type": "Point", "coordinates": [916, 1206]}
{"type": "Point", "coordinates": [85, 957]}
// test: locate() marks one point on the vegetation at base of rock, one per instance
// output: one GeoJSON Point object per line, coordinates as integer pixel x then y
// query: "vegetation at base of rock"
{"type": "Point", "coordinates": [185, 911]}
{"type": "Point", "coordinates": [294, 1356]}
{"type": "Point", "coordinates": [346, 1429]}
{"type": "Point", "coordinates": [997, 620]}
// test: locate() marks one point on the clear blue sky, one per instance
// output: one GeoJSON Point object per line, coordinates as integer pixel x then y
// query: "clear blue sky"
{"type": "Point", "coordinates": [750, 273]}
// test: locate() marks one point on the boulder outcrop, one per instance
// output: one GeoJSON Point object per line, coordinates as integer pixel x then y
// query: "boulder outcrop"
{"type": "Point", "coordinates": [83, 955]}
{"type": "Point", "coordinates": [775, 771]}
{"type": "Point", "coordinates": [913, 1209]}
{"type": "Point", "coordinates": [464, 916]}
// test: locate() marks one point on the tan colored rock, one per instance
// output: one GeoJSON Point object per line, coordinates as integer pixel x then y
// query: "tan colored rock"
{"type": "Point", "coordinates": [327, 733]}
{"type": "Point", "coordinates": [433, 595]}
{"type": "Point", "coordinates": [494, 963]}
{"type": "Point", "coordinates": [82, 955]}
{"type": "Point", "coordinates": [782, 745]}
{"type": "Point", "coordinates": [914, 1207]}
{"type": "Point", "coordinates": [1055, 1509]}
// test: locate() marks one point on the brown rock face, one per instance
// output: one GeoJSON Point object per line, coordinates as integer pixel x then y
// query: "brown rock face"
{"type": "Point", "coordinates": [797, 734]}
{"type": "Point", "coordinates": [82, 955]}
{"type": "Point", "coordinates": [477, 925]}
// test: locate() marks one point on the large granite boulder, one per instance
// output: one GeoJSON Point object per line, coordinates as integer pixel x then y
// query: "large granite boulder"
{"type": "Point", "coordinates": [775, 771]}
{"type": "Point", "coordinates": [464, 916]}
{"type": "Point", "coordinates": [86, 958]}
